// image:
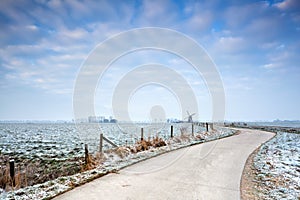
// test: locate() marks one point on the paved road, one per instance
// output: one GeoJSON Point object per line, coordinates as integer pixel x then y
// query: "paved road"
{"type": "Point", "coordinates": [206, 171]}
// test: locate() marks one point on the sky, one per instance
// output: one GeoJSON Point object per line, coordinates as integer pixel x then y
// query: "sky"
{"type": "Point", "coordinates": [255, 46]}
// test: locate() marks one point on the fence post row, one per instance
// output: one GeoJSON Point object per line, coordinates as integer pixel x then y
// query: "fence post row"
{"type": "Point", "coordinates": [142, 137]}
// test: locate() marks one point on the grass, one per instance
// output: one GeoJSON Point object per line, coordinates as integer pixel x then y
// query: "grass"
{"type": "Point", "coordinates": [34, 171]}
{"type": "Point", "coordinates": [30, 172]}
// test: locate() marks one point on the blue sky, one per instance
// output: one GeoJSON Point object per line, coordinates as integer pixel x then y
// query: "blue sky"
{"type": "Point", "coordinates": [254, 44]}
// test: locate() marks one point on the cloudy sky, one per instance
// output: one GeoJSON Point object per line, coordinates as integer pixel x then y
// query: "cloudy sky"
{"type": "Point", "coordinates": [255, 46]}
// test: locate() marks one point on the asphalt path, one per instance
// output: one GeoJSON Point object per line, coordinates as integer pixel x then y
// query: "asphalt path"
{"type": "Point", "coordinates": [210, 170]}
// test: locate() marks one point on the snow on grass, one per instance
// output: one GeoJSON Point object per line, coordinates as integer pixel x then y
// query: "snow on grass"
{"type": "Point", "coordinates": [278, 167]}
{"type": "Point", "coordinates": [113, 162]}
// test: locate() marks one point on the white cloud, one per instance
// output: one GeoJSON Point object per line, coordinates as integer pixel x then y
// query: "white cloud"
{"type": "Point", "coordinates": [230, 44]}
{"type": "Point", "coordinates": [44, 46]}
{"type": "Point", "coordinates": [269, 45]}
{"type": "Point", "coordinates": [32, 27]}
{"type": "Point", "coordinates": [281, 56]}
{"type": "Point", "coordinates": [157, 13]}
{"type": "Point", "coordinates": [288, 4]}
{"type": "Point", "coordinates": [75, 34]}
{"type": "Point", "coordinates": [200, 21]}
{"type": "Point", "coordinates": [270, 66]}
{"type": "Point", "coordinates": [258, 27]}
{"type": "Point", "coordinates": [238, 16]}
{"type": "Point", "coordinates": [199, 17]}
{"type": "Point", "coordinates": [239, 83]}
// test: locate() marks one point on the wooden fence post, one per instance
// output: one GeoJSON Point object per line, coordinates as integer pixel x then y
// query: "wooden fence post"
{"type": "Point", "coordinates": [192, 129]}
{"type": "Point", "coordinates": [142, 133]}
{"type": "Point", "coordinates": [12, 171]}
{"type": "Point", "coordinates": [101, 143]}
{"type": "Point", "coordinates": [171, 131]}
{"type": "Point", "coordinates": [86, 153]}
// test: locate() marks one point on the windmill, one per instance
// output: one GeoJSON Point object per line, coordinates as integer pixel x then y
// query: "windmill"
{"type": "Point", "coordinates": [189, 117]}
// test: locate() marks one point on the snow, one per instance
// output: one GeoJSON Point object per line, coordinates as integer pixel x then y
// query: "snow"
{"type": "Point", "coordinates": [114, 161]}
{"type": "Point", "coordinates": [278, 167]}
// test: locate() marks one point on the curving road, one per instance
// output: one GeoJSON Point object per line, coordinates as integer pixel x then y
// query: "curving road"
{"type": "Point", "coordinates": [206, 171]}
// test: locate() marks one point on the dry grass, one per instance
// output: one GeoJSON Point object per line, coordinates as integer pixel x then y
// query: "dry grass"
{"type": "Point", "coordinates": [183, 130]}
{"type": "Point", "coordinates": [200, 137]}
{"type": "Point", "coordinates": [4, 177]}
{"type": "Point", "coordinates": [7, 182]}
{"type": "Point", "coordinates": [141, 145]}
{"type": "Point", "coordinates": [147, 144]}
{"type": "Point", "coordinates": [31, 172]}
{"type": "Point", "coordinates": [34, 171]}
{"type": "Point", "coordinates": [93, 161]}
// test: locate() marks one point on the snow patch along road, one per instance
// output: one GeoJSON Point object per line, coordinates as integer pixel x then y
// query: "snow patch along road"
{"type": "Point", "coordinates": [206, 171]}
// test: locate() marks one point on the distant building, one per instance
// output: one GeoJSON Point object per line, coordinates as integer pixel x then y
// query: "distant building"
{"type": "Point", "coordinates": [92, 119]}
{"type": "Point", "coordinates": [101, 119]}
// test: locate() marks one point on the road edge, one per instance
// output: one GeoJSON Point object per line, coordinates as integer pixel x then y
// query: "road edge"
{"type": "Point", "coordinates": [236, 132]}
{"type": "Point", "coordinates": [247, 186]}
